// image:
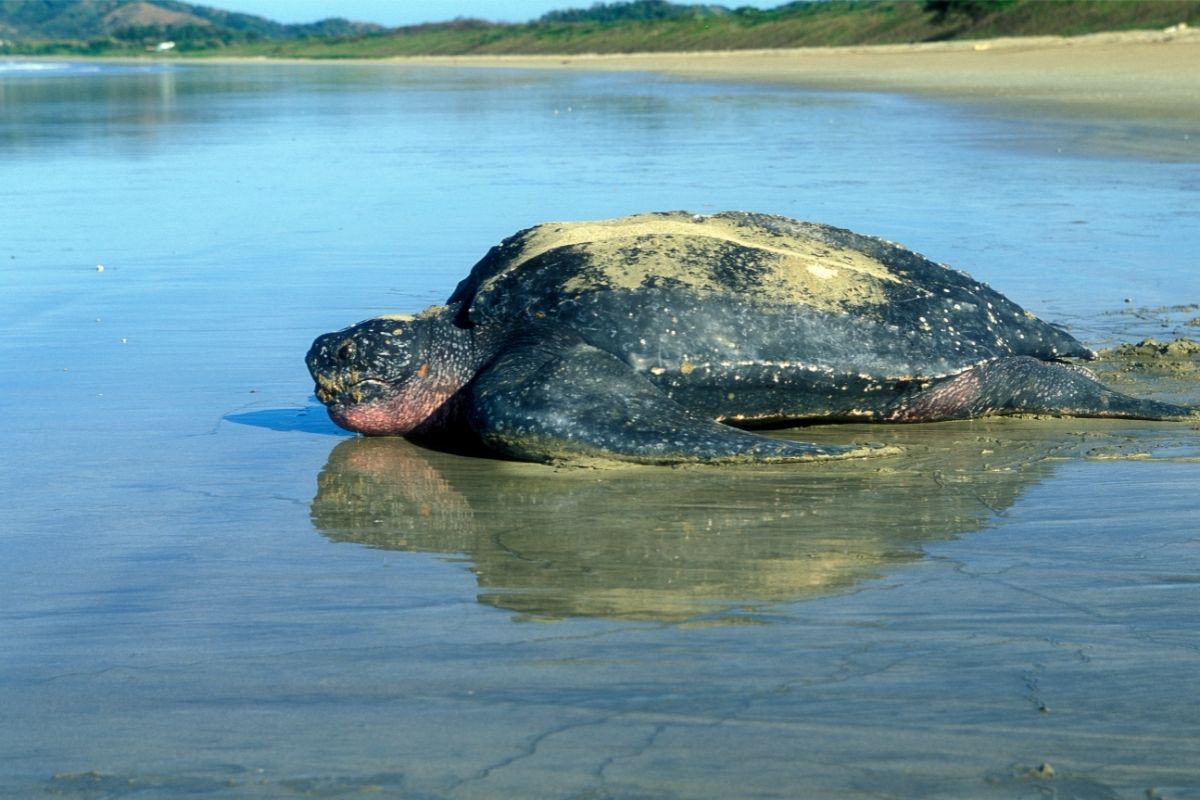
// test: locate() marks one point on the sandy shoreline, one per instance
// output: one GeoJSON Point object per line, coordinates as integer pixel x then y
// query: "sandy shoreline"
{"type": "Point", "coordinates": [1142, 73]}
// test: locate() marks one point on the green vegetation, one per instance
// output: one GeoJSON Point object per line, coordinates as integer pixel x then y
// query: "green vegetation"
{"type": "Point", "coordinates": [798, 24]}
{"type": "Point", "coordinates": [123, 27]}
{"type": "Point", "coordinates": [118, 26]}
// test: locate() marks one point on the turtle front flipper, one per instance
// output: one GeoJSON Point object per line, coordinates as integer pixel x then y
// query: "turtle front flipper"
{"type": "Point", "coordinates": [549, 396]}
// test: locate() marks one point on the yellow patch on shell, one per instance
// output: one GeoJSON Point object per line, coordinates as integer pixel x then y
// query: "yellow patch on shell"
{"type": "Point", "coordinates": [432, 311]}
{"type": "Point", "coordinates": [821, 271]}
{"type": "Point", "coordinates": [789, 267]}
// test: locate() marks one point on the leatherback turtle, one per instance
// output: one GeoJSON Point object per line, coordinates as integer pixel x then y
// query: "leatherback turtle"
{"type": "Point", "coordinates": [659, 337]}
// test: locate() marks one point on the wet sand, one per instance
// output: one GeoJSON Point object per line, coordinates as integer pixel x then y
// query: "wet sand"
{"type": "Point", "coordinates": [1144, 73]}
{"type": "Point", "coordinates": [232, 599]}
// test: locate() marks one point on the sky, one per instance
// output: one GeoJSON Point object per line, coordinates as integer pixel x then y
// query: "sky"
{"type": "Point", "coordinates": [408, 12]}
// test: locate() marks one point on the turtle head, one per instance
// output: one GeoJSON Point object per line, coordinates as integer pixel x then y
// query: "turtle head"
{"type": "Point", "coordinates": [393, 375]}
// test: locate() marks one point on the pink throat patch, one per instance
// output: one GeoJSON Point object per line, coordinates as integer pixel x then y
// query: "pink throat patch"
{"type": "Point", "coordinates": [412, 407]}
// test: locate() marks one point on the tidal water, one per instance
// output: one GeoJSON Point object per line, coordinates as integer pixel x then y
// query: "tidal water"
{"type": "Point", "coordinates": [207, 590]}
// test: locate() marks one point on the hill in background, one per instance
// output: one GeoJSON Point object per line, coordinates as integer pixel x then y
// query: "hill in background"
{"type": "Point", "coordinates": [99, 25]}
{"type": "Point", "coordinates": [127, 27]}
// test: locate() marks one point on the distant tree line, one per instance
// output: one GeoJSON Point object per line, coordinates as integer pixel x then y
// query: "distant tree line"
{"type": "Point", "coordinates": [654, 10]}
{"type": "Point", "coordinates": [633, 11]}
{"type": "Point", "coordinates": [185, 37]}
{"type": "Point", "coordinates": [972, 9]}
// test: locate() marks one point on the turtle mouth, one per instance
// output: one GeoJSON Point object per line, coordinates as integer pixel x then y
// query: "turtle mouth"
{"type": "Point", "coordinates": [338, 393]}
{"type": "Point", "coordinates": [375, 407]}
{"type": "Point", "coordinates": [369, 406]}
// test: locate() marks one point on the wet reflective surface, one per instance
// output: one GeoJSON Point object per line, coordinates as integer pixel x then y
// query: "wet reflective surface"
{"type": "Point", "coordinates": [208, 590]}
{"type": "Point", "coordinates": [552, 543]}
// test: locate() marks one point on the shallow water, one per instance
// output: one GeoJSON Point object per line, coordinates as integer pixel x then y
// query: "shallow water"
{"type": "Point", "coordinates": [207, 590]}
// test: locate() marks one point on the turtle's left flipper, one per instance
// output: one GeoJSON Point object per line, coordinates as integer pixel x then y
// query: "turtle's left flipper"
{"type": "Point", "coordinates": [553, 397]}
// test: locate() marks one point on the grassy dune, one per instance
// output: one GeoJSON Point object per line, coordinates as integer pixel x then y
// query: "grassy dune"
{"type": "Point", "coordinates": [834, 23]}
{"type": "Point", "coordinates": [797, 24]}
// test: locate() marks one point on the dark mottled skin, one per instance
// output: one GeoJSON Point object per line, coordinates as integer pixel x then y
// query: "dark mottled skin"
{"type": "Point", "coordinates": [639, 345]}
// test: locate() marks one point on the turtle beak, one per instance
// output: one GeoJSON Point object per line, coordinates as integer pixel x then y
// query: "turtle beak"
{"type": "Point", "coordinates": [324, 353]}
{"type": "Point", "coordinates": [328, 361]}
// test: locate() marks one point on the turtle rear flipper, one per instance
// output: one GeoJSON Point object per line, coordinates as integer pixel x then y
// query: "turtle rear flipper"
{"type": "Point", "coordinates": [1024, 385]}
{"type": "Point", "coordinates": [551, 397]}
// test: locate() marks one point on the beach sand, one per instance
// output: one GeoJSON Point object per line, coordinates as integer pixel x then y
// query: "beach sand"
{"type": "Point", "coordinates": [1139, 73]}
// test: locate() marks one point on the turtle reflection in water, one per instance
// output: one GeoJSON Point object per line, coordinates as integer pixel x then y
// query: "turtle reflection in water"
{"type": "Point", "coordinates": [656, 338]}
{"type": "Point", "coordinates": [587, 543]}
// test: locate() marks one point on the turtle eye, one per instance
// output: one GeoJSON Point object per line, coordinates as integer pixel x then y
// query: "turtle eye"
{"type": "Point", "coordinates": [346, 351]}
